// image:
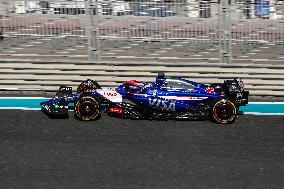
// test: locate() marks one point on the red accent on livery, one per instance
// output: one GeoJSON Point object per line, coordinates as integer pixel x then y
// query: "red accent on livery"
{"type": "Point", "coordinates": [210, 90]}
{"type": "Point", "coordinates": [115, 110]}
{"type": "Point", "coordinates": [134, 83]}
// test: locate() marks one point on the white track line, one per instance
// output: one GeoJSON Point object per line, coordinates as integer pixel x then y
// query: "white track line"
{"type": "Point", "coordinates": [45, 98]}
{"type": "Point", "coordinates": [37, 109]}
{"type": "Point", "coordinates": [24, 98]}
{"type": "Point", "coordinates": [266, 102]}
{"type": "Point", "coordinates": [39, 97]}
{"type": "Point", "coordinates": [260, 113]}
{"type": "Point", "coordinates": [18, 108]}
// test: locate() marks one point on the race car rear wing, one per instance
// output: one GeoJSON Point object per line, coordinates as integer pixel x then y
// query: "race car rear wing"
{"type": "Point", "coordinates": [234, 89]}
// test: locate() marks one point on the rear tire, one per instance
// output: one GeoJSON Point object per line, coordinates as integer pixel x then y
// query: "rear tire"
{"type": "Point", "coordinates": [87, 108]}
{"type": "Point", "coordinates": [223, 111]}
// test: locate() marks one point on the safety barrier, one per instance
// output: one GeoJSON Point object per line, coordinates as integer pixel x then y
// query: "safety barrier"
{"type": "Point", "coordinates": [260, 79]}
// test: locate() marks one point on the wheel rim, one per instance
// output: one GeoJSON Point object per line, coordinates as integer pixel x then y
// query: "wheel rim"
{"type": "Point", "coordinates": [224, 112]}
{"type": "Point", "coordinates": [87, 109]}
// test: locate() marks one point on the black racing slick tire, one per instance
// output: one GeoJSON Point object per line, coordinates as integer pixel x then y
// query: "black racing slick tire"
{"type": "Point", "coordinates": [87, 108]}
{"type": "Point", "coordinates": [223, 111]}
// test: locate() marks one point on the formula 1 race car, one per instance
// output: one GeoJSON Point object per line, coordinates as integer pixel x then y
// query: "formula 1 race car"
{"type": "Point", "coordinates": [164, 99]}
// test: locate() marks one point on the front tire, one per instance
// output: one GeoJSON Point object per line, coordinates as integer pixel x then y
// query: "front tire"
{"type": "Point", "coordinates": [87, 108]}
{"type": "Point", "coordinates": [223, 111]}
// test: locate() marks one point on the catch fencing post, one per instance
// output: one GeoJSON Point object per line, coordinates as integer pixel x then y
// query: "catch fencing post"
{"type": "Point", "coordinates": [224, 24]}
{"type": "Point", "coordinates": [92, 31]}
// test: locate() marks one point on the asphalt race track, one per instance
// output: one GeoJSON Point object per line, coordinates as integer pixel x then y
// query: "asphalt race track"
{"type": "Point", "coordinates": [38, 152]}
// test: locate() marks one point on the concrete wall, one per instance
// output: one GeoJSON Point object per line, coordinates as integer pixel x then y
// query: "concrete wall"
{"type": "Point", "coordinates": [259, 79]}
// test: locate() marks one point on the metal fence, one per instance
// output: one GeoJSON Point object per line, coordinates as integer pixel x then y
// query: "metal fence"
{"type": "Point", "coordinates": [245, 24]}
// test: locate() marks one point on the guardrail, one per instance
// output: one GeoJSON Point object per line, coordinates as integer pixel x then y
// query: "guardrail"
{"type": "Point", "coordinates": [260, 79]}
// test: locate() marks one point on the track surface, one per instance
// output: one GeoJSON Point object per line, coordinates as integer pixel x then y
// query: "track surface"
{"type": "Point", "coordinates": [38, 152]}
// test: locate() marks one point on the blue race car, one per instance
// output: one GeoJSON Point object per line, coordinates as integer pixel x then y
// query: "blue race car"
{"type": "Point", "coordinates": [167, 98]}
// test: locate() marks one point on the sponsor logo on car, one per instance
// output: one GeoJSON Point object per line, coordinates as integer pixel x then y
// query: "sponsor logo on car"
{"type": "Point", "coordinates": [183, 97]}
{"type": "Point", "coordinates": [162, 104]}
{"type": "Point", "coordinates": [112, 95]}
